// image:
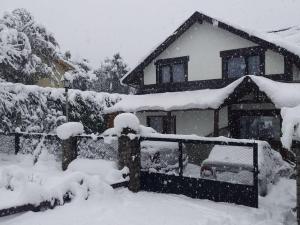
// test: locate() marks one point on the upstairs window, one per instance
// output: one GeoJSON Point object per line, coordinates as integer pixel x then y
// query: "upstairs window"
{"type": "Point", "coordinates": [172, 70]}
{"type": "Point", "coordinates": [245, 61]}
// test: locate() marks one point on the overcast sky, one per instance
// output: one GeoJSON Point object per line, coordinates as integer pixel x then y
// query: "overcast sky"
{"type": "Point", "coordinates": [95, 29]}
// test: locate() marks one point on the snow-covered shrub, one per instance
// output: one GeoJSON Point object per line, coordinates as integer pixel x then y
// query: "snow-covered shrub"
{"type": "Point", "coordinates": [67, 130]}
{"type": "Point", "coordinates": [82, 76]}
{"type": "Point", "coordinates": [36, 109]}
{"type": "Point", "coordinates": [27, 49]}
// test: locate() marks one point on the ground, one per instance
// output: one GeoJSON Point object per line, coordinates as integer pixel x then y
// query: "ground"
{"type": "Point", "coordinates": [121, 207]}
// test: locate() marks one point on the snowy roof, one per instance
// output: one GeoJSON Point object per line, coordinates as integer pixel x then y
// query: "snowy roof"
{"type": "Point", "coordinates": [281, 94]}
{"type": "Point", "coordinates": [285, 41]}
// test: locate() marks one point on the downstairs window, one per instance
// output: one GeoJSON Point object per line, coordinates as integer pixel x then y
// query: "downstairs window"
{"type": "Point", "coordinates": [162, 124]}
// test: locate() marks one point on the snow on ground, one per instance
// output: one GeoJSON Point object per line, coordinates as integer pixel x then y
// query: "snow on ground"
{"type": "Point", "coordinates": [122, 207]}
{"type": "Point", "coordinates": [118, 207]}
{"type": "Point", "coordinates": [23, 182]}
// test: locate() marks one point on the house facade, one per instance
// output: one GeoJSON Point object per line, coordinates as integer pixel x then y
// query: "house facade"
{"type": "Point", "coordinates": [196, 82]}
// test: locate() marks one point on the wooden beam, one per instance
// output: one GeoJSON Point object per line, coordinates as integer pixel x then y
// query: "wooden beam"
{"type": "Point", "coordinates": [216, 123]}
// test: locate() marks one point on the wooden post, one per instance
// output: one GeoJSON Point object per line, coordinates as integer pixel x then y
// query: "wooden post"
{"type": "Point", "coordinates": [130, 156]}
{"type": "Point", "coordinates": [297, 146]}
{"type": "Point", "coordinates": [216, 122]}
{"type": "Point", "coordinates": [69, 151]}
{"type": "Point", "coordinates": [17, 143]}
{"type": "Point", "coordinates": [180, 161]}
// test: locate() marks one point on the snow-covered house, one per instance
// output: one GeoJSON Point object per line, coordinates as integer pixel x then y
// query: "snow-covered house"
{"type": "Point", "coordinates": [211, 78]}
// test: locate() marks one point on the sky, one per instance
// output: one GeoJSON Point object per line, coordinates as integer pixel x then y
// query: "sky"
{"type": "Point", "coordinates": [96, 29]}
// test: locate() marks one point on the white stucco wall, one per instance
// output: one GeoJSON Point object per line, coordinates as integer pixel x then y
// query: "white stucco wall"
{"type": "Point", "coordinates": [203, 43]}
{"type": "Point", "coordinates": [195, 122]}
{"type": "Point", "coordinates": [200, 122]}
{"type": "Point", "coordinates": [223, 117]}
{"type": "Point", "coordinates": [274, 63]}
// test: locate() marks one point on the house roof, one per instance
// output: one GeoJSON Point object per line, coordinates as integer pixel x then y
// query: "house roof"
{"type": "Point", "coordinates": [285, 41]}
{"type": "Point", "coordinates": [281, 94]}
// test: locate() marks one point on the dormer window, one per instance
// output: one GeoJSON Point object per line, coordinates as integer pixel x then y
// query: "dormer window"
{"type": "Point", "coordinates": [245, 61]}
{"type": "Point", "coordinates": [172, 70]}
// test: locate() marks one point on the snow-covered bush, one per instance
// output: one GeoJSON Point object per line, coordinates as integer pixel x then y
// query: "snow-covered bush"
{"type": "Point", "coordinates": [82, 76]}
{"type": "Point", "coordinates": [41, 110]}
{"type": "Point", "coordinates": [67, 130]}
{"type": "Point", "coordinates": [27, 49]}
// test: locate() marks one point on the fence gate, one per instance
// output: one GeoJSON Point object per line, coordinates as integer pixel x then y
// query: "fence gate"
{"type": "Point", "coordinates": [214, 170]}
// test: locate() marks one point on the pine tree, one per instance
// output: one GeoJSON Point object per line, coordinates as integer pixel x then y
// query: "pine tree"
{"type": "Point", "coordinates": [109, 75]}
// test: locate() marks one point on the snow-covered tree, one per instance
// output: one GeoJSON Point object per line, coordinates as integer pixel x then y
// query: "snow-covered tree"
{"type": "Point", "coordinates": [109, 74]}
{"type": "Point", "coordinates": [82, 76]}
{"type": "Point", "coordinates": [27, 50]}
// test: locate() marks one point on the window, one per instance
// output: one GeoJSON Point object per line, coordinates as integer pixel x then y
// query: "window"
{"type": "Point", "coordinates": [260, 127]}
{"type": "Point", "coordinates": [162, 124]}
{"type": "Point", "coordinates": [172, 70]}
{"type": "Point", "coordinates": [240, 62]}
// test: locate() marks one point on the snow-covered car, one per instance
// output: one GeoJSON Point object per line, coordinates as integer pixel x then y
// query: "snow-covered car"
{"type": "Point", "coordinates": [159, 156]}
{"type": "Point", "coordinates": [156, 156]}
{"type": "Point", "coordinates": [234, 164]}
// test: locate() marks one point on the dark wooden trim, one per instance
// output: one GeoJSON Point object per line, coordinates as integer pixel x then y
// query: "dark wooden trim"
{"type": "Point", "coordinates": [288, 68]}
{"type": "Point", "coordinates": [174, 60]}
{"type": "Point", "coordinates": [170, 62]}
{"type": "Point", "coordinates": [36, 207]}
{"type": "Point", "coordinates": [216, 123]}
{"type": "Point", "coordinates": [197, 85]}
{"type": "Point", "coordinates": [199, 17]}
{"type": "Point", "coordinates": [121, 184]}
{"type": "Point", "coordinates": [250, 51]}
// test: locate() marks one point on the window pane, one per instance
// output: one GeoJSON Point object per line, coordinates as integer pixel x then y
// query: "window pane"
{"type": "Point", "coordinates": [254, 65]}
{"type": "Point", "coordinates": [236, 67]}
{"type": "Point", "coordinates": [165, 74]}
{"type": "Point", "coordinates": [260, 127]}
{"type": "Point", "coordinates": [178, 73]}
{"type": "Point", "coordinates": [156, 122]}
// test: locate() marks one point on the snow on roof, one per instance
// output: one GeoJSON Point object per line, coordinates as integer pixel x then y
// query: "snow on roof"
{"type": "Point", "coordinates": [288, 38]}
{"type": "Point", "coordinates": [284, 39]}
{"type": "Point", "coordinates": [281, 94]}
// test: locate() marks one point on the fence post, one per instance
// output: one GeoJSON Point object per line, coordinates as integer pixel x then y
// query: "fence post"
{"type": "Point", "coordinates": [17, 143]}
{"type": "Point", "coordinates": [297, 149]}
{"type": "Point", "coordinates": [69, 151]}
{"type": "Point", "coordinates": [180, 160]}
{"type": "Point", "coordinates": [255, 172]}
{"type": "Point", "coordinates": [130, 156]}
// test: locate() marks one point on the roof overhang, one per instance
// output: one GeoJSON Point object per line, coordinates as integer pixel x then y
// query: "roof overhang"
{"type": "Point", "coordinates": [279, 93]}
